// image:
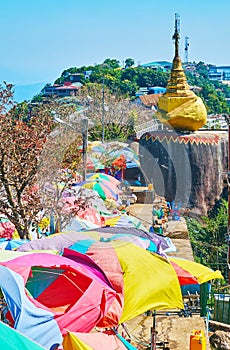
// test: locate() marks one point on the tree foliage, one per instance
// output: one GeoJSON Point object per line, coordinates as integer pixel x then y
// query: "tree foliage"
{"type": "Point", "coordinates": [31, 156]}
{"type": "Point", "coordinates": [120, 115]}
{"type": "Point", "coordinates": [208, 238]}
{"type": "Point", "coordinates": [127, 80]}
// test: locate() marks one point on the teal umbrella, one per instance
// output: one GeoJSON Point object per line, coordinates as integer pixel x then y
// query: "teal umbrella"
{"type": "Point", "coordinates": [11, 339]}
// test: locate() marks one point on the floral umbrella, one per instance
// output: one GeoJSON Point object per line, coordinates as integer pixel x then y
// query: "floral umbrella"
{"type": "Point", "coordinates": [7, 229]}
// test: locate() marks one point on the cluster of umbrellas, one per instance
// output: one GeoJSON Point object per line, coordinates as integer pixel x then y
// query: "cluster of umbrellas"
{"type": "Point", "coordinates": [119, 154]}
{"type": "Point", "coordinates": [65, 285]}
{"type": "Point", "coordinates": [104, 269]}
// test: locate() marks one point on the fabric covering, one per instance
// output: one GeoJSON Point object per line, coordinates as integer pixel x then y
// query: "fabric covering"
{"type": "Point", "coordinates": [95, 341]}
{"type": "Point", "coordinates": [11, 339]}
{"type": "Point", "coordinates": [34, 322]}
{"type": "Point", "coordinates": [190, 272]}
{"type": "Point", "coordinates": [80, 288]}
{"type": "Point", "coordinates": [124, 263]}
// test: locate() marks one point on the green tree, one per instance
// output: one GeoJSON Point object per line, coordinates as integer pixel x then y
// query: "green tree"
{"type": "Point", "coordinates": [208, 237]}
{"type": "Point", "coordinates": [129, 62]}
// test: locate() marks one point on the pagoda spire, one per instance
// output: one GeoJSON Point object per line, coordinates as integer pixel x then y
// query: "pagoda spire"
{"type": "Point", "coordinates": [176, 35]}
{"type": "Point", "coordinates": [179, 106]}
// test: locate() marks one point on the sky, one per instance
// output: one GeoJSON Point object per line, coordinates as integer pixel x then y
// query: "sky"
{"type": "Point", "coordinates": [42, 38]}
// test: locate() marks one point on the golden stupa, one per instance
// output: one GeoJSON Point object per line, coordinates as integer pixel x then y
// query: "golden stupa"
{"type": "Point", "coordinates": [179, 106]}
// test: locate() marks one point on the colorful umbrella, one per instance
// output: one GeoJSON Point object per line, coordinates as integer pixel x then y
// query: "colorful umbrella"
{"type": "Point", "coordinates": [190, 272]}
{"type": "Point", "coordinates": [93, 163]}
{"type": "Point", "coordinates": [7, 229]}
{"type": "Point", "coordinates": [104, 188]}
{"type": "Point", "coordinates": [79, 224]}
{"type": "Point", "coordinates": [58, 242]}
{"type": "Point", "coordinates": [95, 341]}
{"type": "Point", "coordinates": [11, 244]}
{"type": "Point", "coordinates": [63, 294]}
{"type": "Point", "coordinates": [124, 220]}
{"type": "Point", "coordinates": [124, 263]}
{"type": "Point", "coordinates": [11, 339]}
{"type": "Point", "coordinates": [105, 177]}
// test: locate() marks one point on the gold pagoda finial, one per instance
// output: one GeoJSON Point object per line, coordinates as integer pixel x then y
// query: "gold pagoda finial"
{"type": "Point", "coordinates": [176, 35]}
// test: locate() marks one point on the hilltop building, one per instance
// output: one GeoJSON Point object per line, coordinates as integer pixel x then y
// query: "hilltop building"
{"type": "Point", "coordinates": [161, 65]}
{"type": "Point", "coordinates": [219, 73]}
{"type": "Point", "coordinates": [61, 90]}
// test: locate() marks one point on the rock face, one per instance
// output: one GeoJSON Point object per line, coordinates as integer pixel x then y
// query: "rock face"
{"type": "Point", "coordinates": [186, 168]}
{"type": "Point", "coordinates": [220, 341]}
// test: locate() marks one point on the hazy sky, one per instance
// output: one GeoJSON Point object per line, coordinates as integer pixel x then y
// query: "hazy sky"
{"type": "Point", "coordinates": [40, 39]}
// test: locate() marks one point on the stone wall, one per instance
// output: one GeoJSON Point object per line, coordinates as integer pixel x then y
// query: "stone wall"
{"type": "Point", "coordinates": [186, 168]}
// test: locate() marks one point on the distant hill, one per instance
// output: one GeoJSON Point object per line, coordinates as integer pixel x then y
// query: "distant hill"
{"type": "Point", "coordinates": [27, 92]}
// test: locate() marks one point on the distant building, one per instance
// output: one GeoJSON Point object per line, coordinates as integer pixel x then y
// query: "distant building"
{"type": "Point", "coordinates": [148, 101]}
{"type": "Point", "coordinates": [162, 65]}
{"type": "Point", "coordinates": [150, 90]}
{"type": "Point", "coordinates": [220, 73]}
{"type": "Point", "coordinates": [61, 90]}
{"type": "Point", "coordinates": [156, 90]}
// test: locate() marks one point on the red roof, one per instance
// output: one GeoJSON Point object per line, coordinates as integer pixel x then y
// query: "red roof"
{"type": "Point", "coordinates": [150, 100]}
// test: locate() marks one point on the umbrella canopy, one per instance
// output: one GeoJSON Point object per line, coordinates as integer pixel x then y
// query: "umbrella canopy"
{"type": "Point", "coordinates": [7, 229]}
{"type": "Point", "coordinates": [63, 289]}
{"type": "Point", "coordinates": [124, 220]}
{"type": "Point", "coordinates": [190, 272]}
{"type": "Point", "coordinates": [123, 264]}
{"type": "Point", "coordinates": [95, 341]}
{"type": "Point", "coordinates": [79, 224]}
{"type": "Point", "coordinates": [11, 339]}
{"type": "Point", "coordinates": [11, 244]}
{"type": "Point", "coordinates": [105, 177]}
{"type": "Point", "coordinates": [104, 188]}
{"type": "Point", "coordinates": [58, 242]}
{"type": "Point", "coordinates": [93, 163]}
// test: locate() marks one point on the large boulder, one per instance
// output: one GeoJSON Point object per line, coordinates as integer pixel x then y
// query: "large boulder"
{"type": "Point", "coordinates": [220, 340]}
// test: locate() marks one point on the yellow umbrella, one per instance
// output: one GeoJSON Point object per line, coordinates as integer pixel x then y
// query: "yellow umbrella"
{"type": "Point", "coordinates": [201, 272]}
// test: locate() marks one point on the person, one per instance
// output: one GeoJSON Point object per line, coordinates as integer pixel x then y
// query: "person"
{"type": "Point", "coordinates": [137, 181]}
